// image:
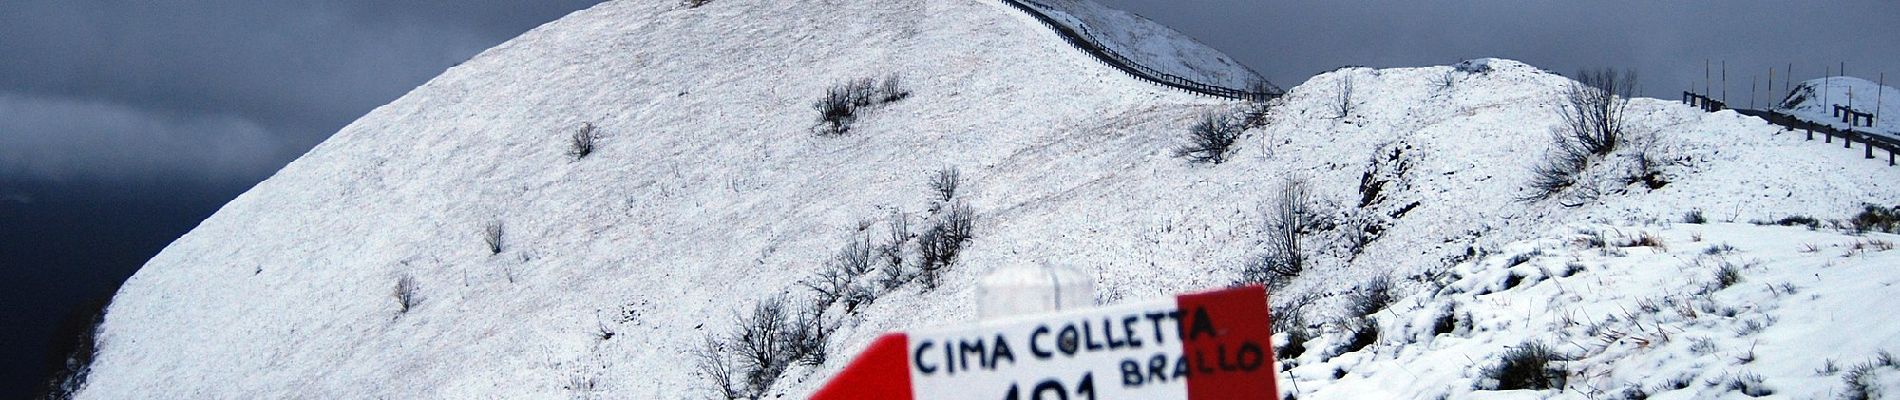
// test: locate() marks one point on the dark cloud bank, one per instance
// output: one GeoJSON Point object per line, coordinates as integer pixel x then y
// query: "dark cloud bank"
{"type": "Point", "coordinates": [124, 123]}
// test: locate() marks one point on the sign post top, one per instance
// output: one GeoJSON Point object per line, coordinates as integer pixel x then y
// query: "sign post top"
{"type": "Point", "coordinates": [1027, 290]}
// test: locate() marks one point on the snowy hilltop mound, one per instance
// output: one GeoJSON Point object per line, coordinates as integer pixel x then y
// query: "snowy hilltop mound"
{"type": "Point", "coordinates": [1149, 43]}
{"type": "Point", "coordinates": [1814, 101]}
{"type": "Point", "coordinates": [577, 212]}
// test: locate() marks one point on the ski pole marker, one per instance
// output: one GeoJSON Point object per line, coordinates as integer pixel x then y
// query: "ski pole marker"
{"type": "Point", "coordinates": [1213, 345]}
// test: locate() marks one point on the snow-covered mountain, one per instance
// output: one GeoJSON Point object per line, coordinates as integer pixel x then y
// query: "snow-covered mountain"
{"type": "Point", "coordinates": [711, 189]}
{"type": "Point", "coordinates": [1153, 45]}
{"type": "Point", "coordinates": [1814, 101]}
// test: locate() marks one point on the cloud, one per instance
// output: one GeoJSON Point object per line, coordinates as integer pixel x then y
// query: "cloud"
{"type": "Point", "coordinates": [57, 139]}
{"type": "Point", "coordinates": [90, 86]}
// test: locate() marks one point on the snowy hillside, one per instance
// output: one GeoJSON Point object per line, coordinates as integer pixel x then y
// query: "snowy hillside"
{"type": "Point", "coordinates": [1814, 101]}
{"type": "Point", "coordinates": [1150, 44]}
{"type": "Point", "coordinates": [711, 189]}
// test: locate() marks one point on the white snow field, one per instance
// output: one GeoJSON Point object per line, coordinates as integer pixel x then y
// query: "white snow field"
{"type": "Point", "coordinates": [710, 191]}
{"type": "Point", "coordinates": [1814, 100]}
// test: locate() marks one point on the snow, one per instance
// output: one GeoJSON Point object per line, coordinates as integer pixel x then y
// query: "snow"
{"type": "Point", "coordinates": [1814, 101]}
{"type": "Point", "coordinates": [710, 192]}
{"type": "Point", "coordinates": [1149, 43]}
{"type": "Point", "coordinates": [1648, 318]}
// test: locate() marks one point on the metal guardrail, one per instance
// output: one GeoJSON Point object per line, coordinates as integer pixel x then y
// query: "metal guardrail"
{"type": "Point", "coordinates": [1082, 39]}
{"type": "Point", "coordinates": [1869, 141]}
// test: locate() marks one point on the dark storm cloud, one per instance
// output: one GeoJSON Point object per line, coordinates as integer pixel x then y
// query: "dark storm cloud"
{"type": "Point", "coordinates": [1666, 41]}
{"type": "Point", "coordinates": [222, 88]}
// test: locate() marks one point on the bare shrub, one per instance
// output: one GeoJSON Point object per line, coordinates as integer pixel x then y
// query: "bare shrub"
{"type": "Point", "coordinates": [842, 103]}
{"type": "Point", "coordinates": [1877, 219]}
{"type": "Point", "coordinates": [761, 344]}
{"type": "Point", "coordinates": [1694, 217]}
{"type": "Point", "coordinates": [1374, 295]}
{"type": "Point", "coordinates": [406, 293]}
{"type": "Point", "coordinates": [839, 107]}
{"type": "Point", "coordinates": [939, 246]}
{"type": "Point", "coordinates": [944, 183]}
{"type": "Point", "coordinates": [764, 343]}
{"type": "Point", "coordinates": [1593, 127]}
{"type": "Point", "coordinates": [1360, 333]}
{"type": "Point", "coordinates": [892, 89]}
{"type": "Point", "coordinates": [807, 336]}
{"type": "Point", "coordinates": [1528, 366]}
{"type": "Point", "coordinates": [1592, 109]}
{"type": "Point", "coordinates": [1447, 80]}
{"type": "Point", "coordinates": [1342, 96]}
{"type": "Point", "coordinates": [581, 143]}
{"type": "Point", "coordinates": [491, 235]}
{"type": "Point", "coordinates": [831, 284]}
{"type": "Point", "coordinates": [1750, 384]}
{"type": "Point", "coordinates": [891, 267]}
{"type": "Point", "coordinates": [1559, 168]}
{"type": "Point", "coordinates": [1211, 138]}
{"type": "Point", "coordinates": [1649, 163]}
{"type": "Point", "coordinates": [1297, 334]}
{"type": "Point", "coordinates": [837, 281]}
{"type": "Point", "coordinates": [712, 361]}
{"type": "Point", "coordinates": [694, 3]}
{"type": "Point", "coordinates": [1283, 259]}
{"type": "Point", "coordinates": [1727, 275]}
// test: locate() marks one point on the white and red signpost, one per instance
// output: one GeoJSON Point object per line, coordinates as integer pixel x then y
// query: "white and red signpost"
{"type": "Point", "coordinates": [1213, 345]}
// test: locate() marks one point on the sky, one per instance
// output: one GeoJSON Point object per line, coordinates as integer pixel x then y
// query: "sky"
{"type": "Point", "coordinates": [1665, 42]}
{"type": "Point", "coordinates": [124, 123]}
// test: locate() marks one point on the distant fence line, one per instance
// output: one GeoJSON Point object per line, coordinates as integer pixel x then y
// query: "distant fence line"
{"type": "Point", "coordinates": [1852, 117]}
{"type": "Point", "coordinates": [1868, 140]}
{"type": "Point", "coordinates": [1704, 102]}
{"type": "Point", "coordinates": [1080, 38]}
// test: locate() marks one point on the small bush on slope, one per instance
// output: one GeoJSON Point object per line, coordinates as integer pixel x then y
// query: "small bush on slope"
{"type": "Point", "coordinates": [1210, 139]}
{"type": "Point", "coordinates": [1593, 107]}
{"type": "Point", "coordinates": [1593, 127]}
{"type": "Point", "coordinates": [581, 144]}
{"type": "Point", "coordinates": [765, 342]}
{"type": "Point", "coordinates": [842, 103]}
{"type": "Point", "coordinates": [491, 236]}
{"type": "Point", "coordinates": [1877, 219]}
{"type": "Point", "coordinates": [944, 183]}
{"type": "Point", "coordinates": [1342, 96]}
{"type": "Point", "coordinates": [406, 293]}
{"type": "Point", "coordinates": [1371, 297]}
{"type": "Point", "coordinates": [1284, 259]}
{"type": "Point", "coordinates": [1527, 366]}
{"type": "Point", "coordinates": [1694, 217]}
{"type": "Point", "coordinates": [938, 246]}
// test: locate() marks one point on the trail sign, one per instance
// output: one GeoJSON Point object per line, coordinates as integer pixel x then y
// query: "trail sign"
{"type": "Point", "coordinates": [1213, 345]}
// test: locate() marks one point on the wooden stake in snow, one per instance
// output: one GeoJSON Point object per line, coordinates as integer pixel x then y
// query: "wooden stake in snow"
{"type": "Point", "coordinates": [1787, 84]}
